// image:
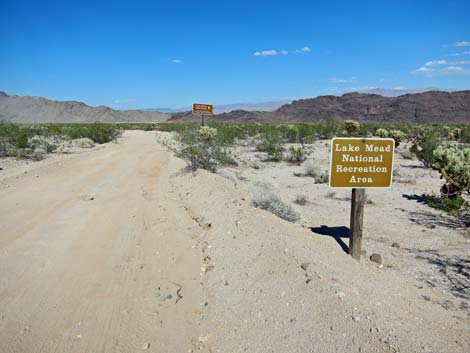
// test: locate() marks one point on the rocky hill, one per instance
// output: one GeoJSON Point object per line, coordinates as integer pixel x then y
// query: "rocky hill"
{"type": "Point", "coordinates": [27, 109]}
{"type": "Point", "coordinates": [427, 107]}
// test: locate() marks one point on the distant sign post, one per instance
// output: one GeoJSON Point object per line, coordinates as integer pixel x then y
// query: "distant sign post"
{"type": "Point", "coordinates": [360, 163]}
{"type": "Point", "coordinates": [203, 109]}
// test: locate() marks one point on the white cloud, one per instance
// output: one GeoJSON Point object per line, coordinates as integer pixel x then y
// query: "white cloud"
{"type": "Point", "coordinates": [340, 80]}
{"type": "Point", "coordinates": [453, 69]}
{"type": "Point", "coordinates": [467, 52]}
{"type": "Point", "coordinates": [265, 53]}
{"type": "Point", "coordinates": [176, 61]}
{"type": "Point", "coordinates": [273, 52]}
{"type": "Point", "coordinates": [423, 69]}
{"type": "Point", "coordinates": [462, 44]}
{"type": "Point", "coordinates": [436, 62]}
{"type": "Point", "coordinates": [445, 62]}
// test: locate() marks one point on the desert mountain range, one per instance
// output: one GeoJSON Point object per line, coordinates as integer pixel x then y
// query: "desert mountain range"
{"type": "Point", "coordinates": [28, 109]}
{"type": "Point", "coordinates": [426, 107]}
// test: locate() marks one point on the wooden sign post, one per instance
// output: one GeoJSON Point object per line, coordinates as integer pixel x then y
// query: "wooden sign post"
{"type": "Point", "coordinates": [203, 109]}
{"type": "Point", "coordinates": [360, 163]}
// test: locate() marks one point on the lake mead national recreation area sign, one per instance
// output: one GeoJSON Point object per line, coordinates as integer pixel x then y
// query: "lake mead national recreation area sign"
{"type": "Point", "coordinates": [361, 162]}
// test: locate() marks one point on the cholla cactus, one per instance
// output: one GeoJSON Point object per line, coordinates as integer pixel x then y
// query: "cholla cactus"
{"type": "Point", "coordinates": [454, 165]}
{"type": "Point", "coordinates": [351, 126]}
{"type": "Point", "coordinates": [207, 133]}
{"type": "Point", "coordinates": [455, 134]}
{"type": "Point", "coordinates": [397, 135]}
{"type": "Point", "coordinates": [381, 133]}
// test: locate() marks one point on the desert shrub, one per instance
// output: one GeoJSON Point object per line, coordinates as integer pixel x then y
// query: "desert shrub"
{"type": "Point", "coordinates": [266, 199]}
{"type": "Point", "coordinates": [291, 133]}
{"type": "Point", "coordinates": [271, 143]}
{"type": "Point", "coordinates": [424, 143]}
{"type": "Point", "coordinates": [301, 200]}
{"type": "Point", "coordinates": [202, 150]}
{"type": "Point", "coordinates": [296, 155]}
{"type": "Point", "coordinates": [398, 136]}
{"type": "Point", "coordinates": [312, 170]}
{"type": "Point", "coordinates": [97, 132]}
{"type": "Point", "coordinates": [381, 133]}
{"type": "Point", "coordinates": [48, 144]}
{"type": "Point", "coordinates": [351, 126]}
{"type": "Point", "coordinates": [453, 163]}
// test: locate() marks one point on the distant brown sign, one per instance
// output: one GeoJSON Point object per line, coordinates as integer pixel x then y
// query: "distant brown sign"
{"type": "Point", "coordinates": [203, 109]}
{"type": "Point", "coordinates": [361, 162]}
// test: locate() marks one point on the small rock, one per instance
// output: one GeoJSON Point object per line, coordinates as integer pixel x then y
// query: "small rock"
{"type": "Point", "coordinates": [395, 245]}
{"type": "Point", "coordinates": [146, 346]}
{"type": "Point", "coordinates": [340, 295]}
{"type": "Point", "coordinates": [356, 318]}
{"type": "Point", "coordinates": [304, 265]}
{"type": "Point", "coordinates": [226, 283]}
{"type": "Point", "coordinates": [297, 174]}
{"type": "Point", "coordinates": [376, 258]}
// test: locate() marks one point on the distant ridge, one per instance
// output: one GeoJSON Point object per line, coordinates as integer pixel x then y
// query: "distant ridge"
{"type": "Point", "coordinates": [427, 107]}
{"type": "Point", "coordinates": [225, 108]}
{"type": "Point", "coordinates": [28, 109]}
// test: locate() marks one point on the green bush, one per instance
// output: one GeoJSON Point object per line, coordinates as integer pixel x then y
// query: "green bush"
{"type": "Point", "coordinates": [201, 149]}
{"type": "Point", "coordinates": [271, 143]}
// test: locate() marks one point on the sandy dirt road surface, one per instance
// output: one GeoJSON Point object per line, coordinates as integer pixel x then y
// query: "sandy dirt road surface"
{"type": "Point", "coordinates": [119, 250]}
{"type": "Point", "coordinates": [95, 255]}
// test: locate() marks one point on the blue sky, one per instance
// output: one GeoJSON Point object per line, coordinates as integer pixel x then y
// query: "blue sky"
{"type": "Point", "coordinates": [140, 54]}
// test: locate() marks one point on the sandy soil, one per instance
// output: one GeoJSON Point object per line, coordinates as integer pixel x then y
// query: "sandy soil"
{"type": "Point", "coordinates": [119, 249]}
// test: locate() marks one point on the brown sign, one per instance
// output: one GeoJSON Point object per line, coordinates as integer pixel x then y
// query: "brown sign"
{"type": "Point", "coordinates": [203, 109]}
{"type": "Point", "coordinates": [361, 162]}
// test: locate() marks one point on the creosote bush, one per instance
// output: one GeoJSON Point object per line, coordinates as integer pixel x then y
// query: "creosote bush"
{"type": "Point", "coordinates": [266, 199]}
{"type": "Point", "coordinates": [271, 143]}
{"type": "Point", "coordinates": [201, 149]}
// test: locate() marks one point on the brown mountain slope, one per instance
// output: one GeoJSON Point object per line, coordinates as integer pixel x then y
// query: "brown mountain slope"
{"type": "Point", "coordinates": [427, 107]}
{"type": "Point", "coordinates": [26, 109]}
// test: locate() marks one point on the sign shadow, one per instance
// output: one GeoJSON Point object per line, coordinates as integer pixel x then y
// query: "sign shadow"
{"type": "Point", "coordinates": [336, 233]}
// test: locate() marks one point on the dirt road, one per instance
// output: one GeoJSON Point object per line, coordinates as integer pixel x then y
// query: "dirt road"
{"type": "Point", "coordinates": [95, 255]}
{"type": "Point", "coordinates": [118, 250]}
